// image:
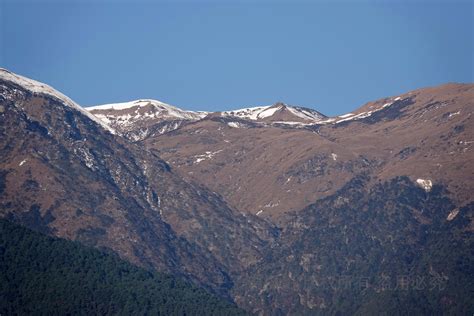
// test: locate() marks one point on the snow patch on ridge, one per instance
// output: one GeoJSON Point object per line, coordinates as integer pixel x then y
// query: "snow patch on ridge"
{"type": "Point", "coordinates": [351, 116]}
{"type": "Point", "coordinates": [262, 112]}
{"type": "Point", "coordinates": [346, 115]}
{"type": "Point", "coordinates": [246, 113]}
{"type": "Point", "coordinates": [304, 113]}
{"type": "Point", "coordinates": [267, 112]}
{"type": "Point", "coordinates": [206, 155]}
{"type": "Point", "coordinates": [425, 184]}
{"type": "Point", "coordinates": [455, 113]}
{"type": "Point", "coordinates": [235, 124]}
{"type": "Point", "coordinates": [452, 214]}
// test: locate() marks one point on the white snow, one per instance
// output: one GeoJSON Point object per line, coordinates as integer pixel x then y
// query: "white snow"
{"type": "Point", "coordinates": [261, 112]}
{"type": "Point", "coordinates": [351, 116]}
{"type": "Point", "coordinates": [455, 113]}
{"type": "Point", "coordinates": [452, 214]}
{"type": "Point", "coordinates": [162, 109]}
{"type": "Point", "coordinates": [304, 114]}
{"type": "Point", "coordinates": [248, 113]}
{"type": "Point", "coordinates": [22, 162]}
{"type": "Point", "coordinates": [267, 112]}
{"type": "Point", "coordinates": [206, 155]}
{"type": "Point", "coordinates": [272, 204]}
{"type": "Point", "coordinates": [292, 123]}
{"type": "Point", "coordinates": [334, 156]}
{"type": "Point", "coordinates": [39, 88]}
{"type": "Point", "coordinates": [259, 212]}
{"type": "Point", "coordinates": [355, 117]}
{"type": "Point", "coordinates": [425, 184]}
{"type": "Point", "coordinates": [329, 120]}
{"type": "Point", "coordinates": [346, 115]}
{"type": "Point", "coordinates": [234, 124]}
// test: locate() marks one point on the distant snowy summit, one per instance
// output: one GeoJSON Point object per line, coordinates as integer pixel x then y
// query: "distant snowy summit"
{"type": "Point", "coordinates": [141, 118]}
{"type": "Point", "coordinates": [127, 114]}
{"type": "Point", "coordinates": [278, 112]}
{"type": "Point", "coordinates": [146, 117]}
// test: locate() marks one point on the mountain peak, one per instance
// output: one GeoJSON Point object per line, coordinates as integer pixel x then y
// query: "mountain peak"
{"type": "Point", "coordinates": [141, 117]}
{"type": "Point", "coordinates": [278, 112]}
{"type": "Point", "coordinates": [279, 104]}
{"type": "Point", "coordinates": [147, 105]}
{"type": "Point", "coordinates": [41, 89]}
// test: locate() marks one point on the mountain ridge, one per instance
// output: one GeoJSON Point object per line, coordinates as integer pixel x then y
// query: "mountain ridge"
{"type": "Point", "coordinates": [298, 164]}
{"type": "Point", "coordinates": [268, 215]}
{"type": "Point", "coordinates": [257, 113]}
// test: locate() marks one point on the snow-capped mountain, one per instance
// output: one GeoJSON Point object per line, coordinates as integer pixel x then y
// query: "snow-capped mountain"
{"type": "Point", "coordinates": [278, 112]}
{"type": "Point", "coordinates": [142, 118]}
{"type": "Point", "coordinates": [271, 214]}
{"type": "Point", "coordinates": [392, 136]}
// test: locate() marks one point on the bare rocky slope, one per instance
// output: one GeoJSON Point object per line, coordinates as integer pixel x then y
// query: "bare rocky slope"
{"type": "Point", "coordinates": [262, 163]}
{"type": "Point", "coordinates": [279, 208]}
{"type": "Point", "coordinates": [65, 174]}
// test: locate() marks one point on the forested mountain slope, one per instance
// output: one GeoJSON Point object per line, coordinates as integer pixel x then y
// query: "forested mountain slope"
{"type": "Point", "coordinates": [42, 275]}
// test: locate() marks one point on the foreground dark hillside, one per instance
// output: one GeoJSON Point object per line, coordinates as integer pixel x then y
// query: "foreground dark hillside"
{"type": "Point", "coordinates": [387, 249]}
{"type": "Point", "coordinates": [42, 275]}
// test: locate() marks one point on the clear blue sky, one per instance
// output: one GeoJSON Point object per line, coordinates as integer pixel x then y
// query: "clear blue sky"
{"type": "Point", "coordinates": [331, 56]}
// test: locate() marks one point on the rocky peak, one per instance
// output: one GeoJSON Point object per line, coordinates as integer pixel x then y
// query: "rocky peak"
{"type": "Point", "coordinates": [141, 118]}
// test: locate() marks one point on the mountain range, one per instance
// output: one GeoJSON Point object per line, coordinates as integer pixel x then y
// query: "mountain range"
{"type": "Point", "coordinates": [278, 208]}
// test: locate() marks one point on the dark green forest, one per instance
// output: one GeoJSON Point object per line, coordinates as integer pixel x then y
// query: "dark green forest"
{"type": "Point", "coordinates": [43, 275]}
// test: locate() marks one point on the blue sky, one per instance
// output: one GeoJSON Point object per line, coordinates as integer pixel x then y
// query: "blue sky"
{"type": "Point", "coordinates": [329, 55]}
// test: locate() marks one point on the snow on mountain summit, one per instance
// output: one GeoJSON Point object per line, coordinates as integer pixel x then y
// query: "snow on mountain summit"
{"type": "Point", "coordinates": [148, 108]}
{"type": "Point", "coordinates": [140, 118]}
{"type": "Point", "coordinates": [280, 112]}
{"type": "Point", "coordinates": [39, 88]}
